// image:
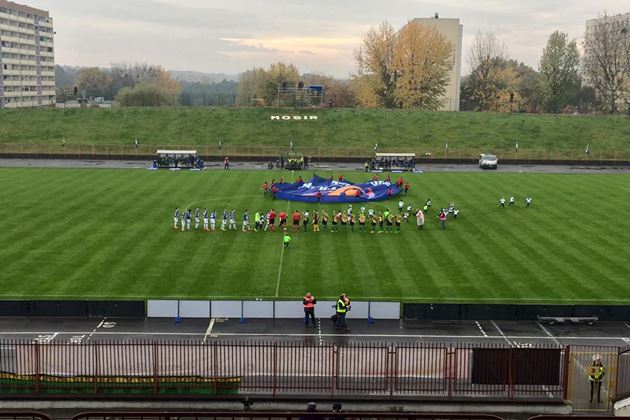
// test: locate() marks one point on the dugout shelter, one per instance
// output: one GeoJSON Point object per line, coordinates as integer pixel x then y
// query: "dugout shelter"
{"type": "Point", "coordinates": [393, 162]}
{"type": "Point", "coordinates": [184, 159]}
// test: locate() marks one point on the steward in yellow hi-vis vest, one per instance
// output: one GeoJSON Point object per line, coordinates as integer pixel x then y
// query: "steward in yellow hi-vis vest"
{"type": "Point", "coordinates": [596, 372]}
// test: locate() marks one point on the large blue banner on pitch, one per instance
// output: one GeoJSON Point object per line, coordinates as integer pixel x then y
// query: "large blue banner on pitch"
{"type": "Point", "coordinates": [324, 190]}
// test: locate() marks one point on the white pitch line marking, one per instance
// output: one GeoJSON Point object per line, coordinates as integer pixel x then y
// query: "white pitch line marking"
{"type": "Point", "coordinates": [282, 255]}
{"type": "Point", "coordinates": [481, 329]}
{"type": "Point", "coordinates": [436, 336]}
{"type": "Point", "coordinates": [501, 332]}
{"type": "Point", "coordinates": [94, 330]}
{"type": "Point", "coordinates": [209, 330]}
{"type": "Point", "coordinates": [549, 334]}
{"type": "Point", "coordinates": [319, 332]}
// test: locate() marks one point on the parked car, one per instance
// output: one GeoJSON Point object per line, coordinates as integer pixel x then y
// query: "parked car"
{"type": "Point", "coordinates": [488, 161]}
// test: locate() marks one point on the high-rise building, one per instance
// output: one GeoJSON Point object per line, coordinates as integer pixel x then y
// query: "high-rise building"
{"type": "Point", "coordinates": [452, 30]}
{"type": "Point", "coordinates": [27, 60]}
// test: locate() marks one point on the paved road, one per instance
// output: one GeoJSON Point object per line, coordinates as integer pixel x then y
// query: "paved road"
{"type": "Point", "coordinates": [520, 334]}
{"type": "Point", "coordinates": [319, 167]}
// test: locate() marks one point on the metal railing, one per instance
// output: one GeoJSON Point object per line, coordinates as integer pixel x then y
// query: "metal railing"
{"type": "Point", "coordinates": [267, 415]}
{"type": "Point", "coordinates": [25, 415]}
{"type": "Point", "coordinates": [113, 151]}
{"type": "Point", "coordinates": [379, 370]}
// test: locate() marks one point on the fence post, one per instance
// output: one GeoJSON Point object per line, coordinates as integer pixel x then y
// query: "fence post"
{"type": "Point", "coordinates": [392, 368]}
{"type": "Point", "coordinates": [274, 377]}
{"type": "Point", "coordinates": [565, 373]}
{"type": "Point", "coordinates": [37, 368]}
{"type": "Point", "coordinates": [155, 368]}
{"type": "Point", "coordinates": [335, 370]}
{"type": "Point", "coordinates": [449, 363]}
{"type": "Point", "coordinates": [510, 381]}
{"type": "Point", "coordinates": [95, 346]}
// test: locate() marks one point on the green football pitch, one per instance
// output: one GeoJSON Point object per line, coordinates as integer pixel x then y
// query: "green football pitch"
{"type": "Point", "coordinates": [107, 234]}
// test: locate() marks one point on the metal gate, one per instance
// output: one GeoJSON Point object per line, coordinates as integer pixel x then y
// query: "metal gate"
{"type": "Point", "coordinates": [581, 390]}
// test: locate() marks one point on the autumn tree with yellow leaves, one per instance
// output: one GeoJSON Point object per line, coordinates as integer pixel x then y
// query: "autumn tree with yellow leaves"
{"type": "Point", "coordinates": [408, 69]}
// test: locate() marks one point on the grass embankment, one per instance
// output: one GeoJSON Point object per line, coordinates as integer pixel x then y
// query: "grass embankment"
{"type": "Point", "coordinates": [350, 132]}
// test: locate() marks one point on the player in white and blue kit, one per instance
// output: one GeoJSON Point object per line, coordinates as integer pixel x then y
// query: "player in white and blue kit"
{"type": "Point", "coordinates": [183, 220]}
{"type": "Point", "coordinates": [197, 218]}
{"type": "Point", "coordinates": [205, 219]}
{"type": "Point", "coordinates": [213, 220]}
{"type": "Point", "coordinates": [262, 220]}
{"type": "Point", "coordinates": [246, 221]}
{"type": "Point", "coordinates": [232, 220]}
{"type": "Point", "coordinates": [188, 219]}
{"type": "Point", "coordinates": [175, 218]}
{"type": "Point", "coordinates": [224, 220]}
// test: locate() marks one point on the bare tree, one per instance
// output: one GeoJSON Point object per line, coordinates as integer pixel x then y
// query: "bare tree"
{"type": "Point", "coordinates": [485, 59]}
{"type": "Point", "coordinates": [607, 62]}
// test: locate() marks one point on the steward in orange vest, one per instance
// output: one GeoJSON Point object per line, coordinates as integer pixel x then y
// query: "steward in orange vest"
{"type": "Point", "coordinates": [309, 303]}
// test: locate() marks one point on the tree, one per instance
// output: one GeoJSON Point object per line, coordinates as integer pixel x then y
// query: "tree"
{"type": "Point", "coordinates": [364, 92]}
{"type": "Point", "coordinates": [376, 61]}
{"type": "Point", "coordinates": [607, 62]}
{"type": "Point", "coordinates": [422, 60]}
{"type": "Point", "coordinates": [152, 86]}
{"type": "Point", "coordinates": [485, 58]}
{"type": "Point", "coordinates": [95, 82]}
{"type": "Point", "coordinates": [559, 69]}
{"type": "Point", "coordinates": [279, 74]}
{"type": "Point", "coordinates": [251, 86]}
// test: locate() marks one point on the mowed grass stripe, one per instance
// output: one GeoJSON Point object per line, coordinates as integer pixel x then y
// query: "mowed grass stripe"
{"type": "Point", "coordinates": [61, 274]}
{"type": "Point", "coordinates": [490, 254]}
{"type": "Point", "coordinates": [498, 252]}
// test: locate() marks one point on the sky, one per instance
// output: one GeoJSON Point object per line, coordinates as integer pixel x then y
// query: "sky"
{"type": "Point", "coordinates": [231, 36]}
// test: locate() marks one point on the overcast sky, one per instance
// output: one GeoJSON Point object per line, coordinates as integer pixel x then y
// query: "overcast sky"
{"type": "Point", "coordinates": [230, 36]}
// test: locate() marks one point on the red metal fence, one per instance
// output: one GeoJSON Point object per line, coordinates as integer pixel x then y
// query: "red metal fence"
{"type": "Point", "coordinates": [451, 371]}
{"type": "Point", "coordinates": [623, 374]}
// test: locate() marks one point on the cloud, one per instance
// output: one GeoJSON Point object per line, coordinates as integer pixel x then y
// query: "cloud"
{"type": "Point", "coordinates": [230, 37]}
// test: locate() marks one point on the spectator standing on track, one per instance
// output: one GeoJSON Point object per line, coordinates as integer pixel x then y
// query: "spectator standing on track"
{"type": "Point", "coordinates": [442, 218]}
{"type": "Point", "coordinates": [309, 303]}
{"type": "Point", "coordinates": [596, 373]}
{"type": "Point", "coordinates": [226, 163]}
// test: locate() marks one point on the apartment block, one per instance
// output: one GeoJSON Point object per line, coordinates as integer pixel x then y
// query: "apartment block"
{"type": "Point", "coordinates": [27, 57]}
